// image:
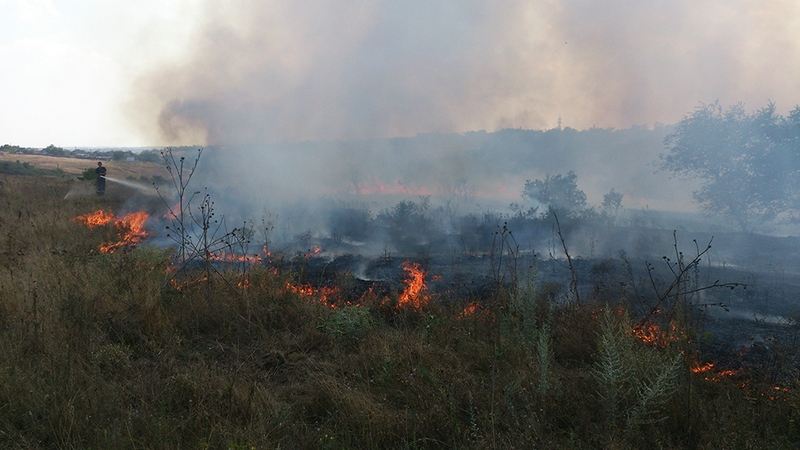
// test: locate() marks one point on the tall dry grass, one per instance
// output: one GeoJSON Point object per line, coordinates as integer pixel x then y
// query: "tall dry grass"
{"type": "Point", "coordinates": [101, 351]}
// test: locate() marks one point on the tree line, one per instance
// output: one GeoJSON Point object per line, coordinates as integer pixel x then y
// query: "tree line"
{"type": "Point", "coordinates": [151, 155]}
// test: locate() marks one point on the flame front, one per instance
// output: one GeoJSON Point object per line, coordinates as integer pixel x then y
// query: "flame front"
{"type": "Point", "coordinates": [327, 295]}
{"type": "Point", "coordinates": [130, 227]}
{"type": "Point", "coordinates": [96, 219]}
{"type": "Point", "coordinates": [413, 296]}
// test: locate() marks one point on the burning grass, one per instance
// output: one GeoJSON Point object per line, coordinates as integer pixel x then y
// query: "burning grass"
{"type": "Point", "coordinates": [413, 296]}
{"type": "Point", "coordinates": [129, 229]}
{"type": "Point", "coordinates": [99, 350]}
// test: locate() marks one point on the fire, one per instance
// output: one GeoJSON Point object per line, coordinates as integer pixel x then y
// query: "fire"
{"type": "Point", "coordinates": [313, 251]}
{"type": "Point", "coordinates": [180, 285]}
{"type": "Point", "coordinates": [96, 219]}
{"type": "Point", "coordinates": [704, 368]}
{"type": "Point", "coordinates": [130, 227]}
{"type": "Point", "coordinates": [327, 295]}
{"type": "Point", "coordinates": [414, 296]}
{"type": "Point", "coordinates": [650, 333]}
{"type": "Point", "coordinates": [709, 374]}
{"type": "Point", "coordinates": [471, 309]}
{"type": "Point", "coordinates": [303, 289]}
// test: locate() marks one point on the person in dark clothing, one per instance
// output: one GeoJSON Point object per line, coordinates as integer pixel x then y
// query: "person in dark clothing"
{"type": "Point", "coordinates": [101, 178]}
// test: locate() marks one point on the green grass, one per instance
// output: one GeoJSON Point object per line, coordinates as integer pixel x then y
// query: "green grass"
{"type": "Point", "coordinates": [100, 351]}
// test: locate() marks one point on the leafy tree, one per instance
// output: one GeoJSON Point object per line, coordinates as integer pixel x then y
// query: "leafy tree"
{"type": "Point", "coordinates": [149, 156]}
{"type": "Point", "coordinates": [748, 163]}
{"type": "Point", "coordinates": [612, 203]}
{"type": "Point", "coordinates": [408, 225]}
{"type": "Point", "coordinates": [52, 150]}
{"type": "Point", "coordinates": [120, 155]}
{"type": "Point", "coordinates": [559, 193]}
{"type": "Point", "coordinates": [8, 148]}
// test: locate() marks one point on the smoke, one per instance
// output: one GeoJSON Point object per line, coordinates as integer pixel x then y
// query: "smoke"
{"type": "Point", "coordinates": [277, 70]}
{"type": "Point", "coordinates": [307, 98]}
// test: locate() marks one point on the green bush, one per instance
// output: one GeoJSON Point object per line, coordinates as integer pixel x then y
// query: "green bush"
{"type": "Point", "coordinates": [88, 175]}
{"type": "Point", "coordinates": [349, 323]}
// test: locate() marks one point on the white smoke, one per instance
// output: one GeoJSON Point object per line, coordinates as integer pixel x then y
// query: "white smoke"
{"type": "Point", "coordinates": [328, 69]}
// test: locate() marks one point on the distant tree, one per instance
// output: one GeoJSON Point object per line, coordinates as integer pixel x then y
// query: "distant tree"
{"type": "Point", "coordinates": [7, 148]}
{"type": "Point", "coordinates": [121, 155]}
{"type": "Point", "coordinates": [612, 203]}
{"type": "Point", "coordinates": [149, 156]}
{"type": "Point", "coordinates": [52, 150]}
{"type": "Point", "coordinates": [559, 193]}
{"type": "Point", "coordinates": [748, 163]}
{"type": "Point", "coordinates": [409, 226]}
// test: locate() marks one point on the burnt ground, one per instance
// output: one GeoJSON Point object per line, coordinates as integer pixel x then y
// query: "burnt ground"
{"type": "Point", "coordinates": [746, 321]}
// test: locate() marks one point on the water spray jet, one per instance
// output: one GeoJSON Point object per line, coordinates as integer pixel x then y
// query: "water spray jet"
{"type": "Point", "coordinates": [138, 186]}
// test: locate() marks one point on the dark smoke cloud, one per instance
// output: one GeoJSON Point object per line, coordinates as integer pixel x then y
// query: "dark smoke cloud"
{"type": "Point", "coordinates": [309, 70]}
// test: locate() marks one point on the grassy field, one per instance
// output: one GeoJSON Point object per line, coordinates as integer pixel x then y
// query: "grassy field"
{"type": "Point", "coordinates": [73, 166]}
{"type": "Point", "coordinates": [102, 350]}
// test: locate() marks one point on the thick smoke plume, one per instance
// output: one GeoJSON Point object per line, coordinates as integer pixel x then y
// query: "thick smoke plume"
{"type": "Point", "coordinates": [278, 70]}
{"type": "Point", "coordinates": [304, 99]}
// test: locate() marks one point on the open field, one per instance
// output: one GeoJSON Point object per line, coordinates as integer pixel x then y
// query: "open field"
{"type": "Point", "coordinates": [130, 349]}
{"type": "Point", "coordinates": [74, 166]}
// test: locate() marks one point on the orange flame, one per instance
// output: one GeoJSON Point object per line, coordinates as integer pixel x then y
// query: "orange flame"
{"type": "Point", "coordinates": [650, 333]}
{"type": "Point", "coordinates": [130, 227]}
{"type": "Point", "coordinates": [704, 368]}
{"type": "Point", "coordinates": [96, 219]}
{"type": "Point", "coordinates": [326, 294]}
{"type": "Point", "coordinates": [709, 374]}
{"type": "Point", "coordinates": [313, 251]}
{"type": "Point", "coordinates": [414, 296]}
{"type": "Point", "coordinates": [471, 309]}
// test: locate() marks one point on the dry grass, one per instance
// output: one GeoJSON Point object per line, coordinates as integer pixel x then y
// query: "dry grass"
{"type": "Point", "coordinates": [73, 166]}
{"type": "Point", "coordinates": [96, 351]}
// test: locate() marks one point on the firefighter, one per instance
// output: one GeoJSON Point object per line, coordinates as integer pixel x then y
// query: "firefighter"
{"type": "Point", "coordinates": [101, 178]}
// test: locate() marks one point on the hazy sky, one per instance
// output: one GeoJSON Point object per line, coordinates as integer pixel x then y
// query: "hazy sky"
{"type": "Point", "coordinates": [150, 72]}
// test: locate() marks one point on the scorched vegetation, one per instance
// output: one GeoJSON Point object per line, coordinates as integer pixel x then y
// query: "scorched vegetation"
{"type": "Point", "coordinates": [102, 347]}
